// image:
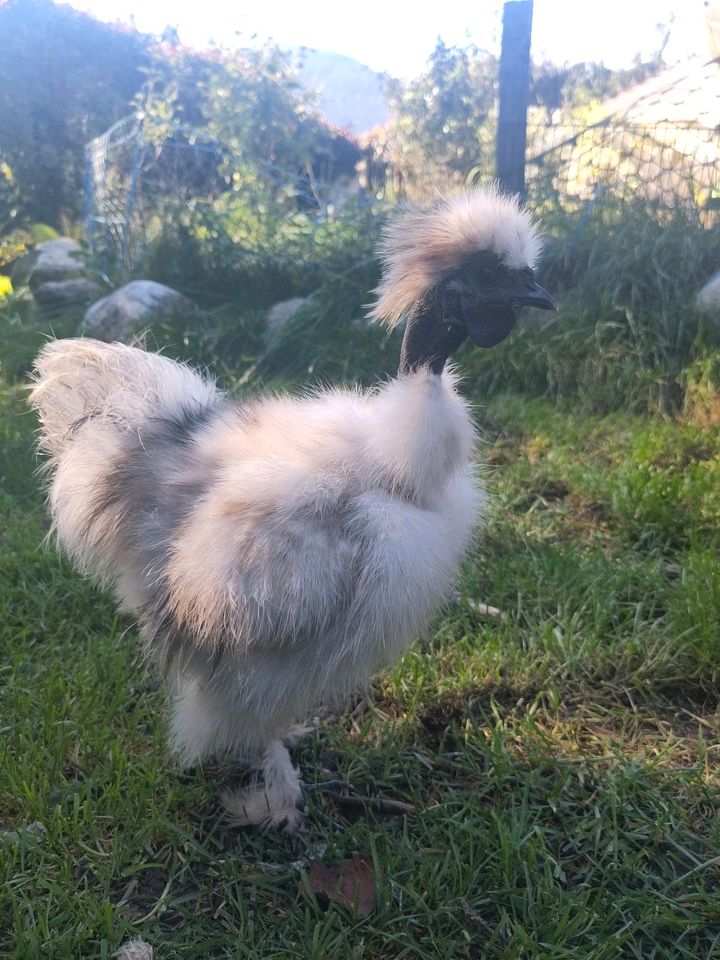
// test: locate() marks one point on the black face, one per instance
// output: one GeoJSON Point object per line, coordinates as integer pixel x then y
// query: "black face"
{"type": "Point", "coordinates": [483, 296]}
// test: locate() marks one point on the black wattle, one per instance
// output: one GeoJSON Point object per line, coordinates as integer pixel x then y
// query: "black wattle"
{"type": "Point", "coordinates": [493, 326]}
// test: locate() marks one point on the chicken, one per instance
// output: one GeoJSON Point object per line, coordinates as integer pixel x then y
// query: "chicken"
{"type": "Point", "coordinates": [278, 551]}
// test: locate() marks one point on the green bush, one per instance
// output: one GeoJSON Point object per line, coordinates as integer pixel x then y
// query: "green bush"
{"type": "Point", "coordinates": [254, 253]}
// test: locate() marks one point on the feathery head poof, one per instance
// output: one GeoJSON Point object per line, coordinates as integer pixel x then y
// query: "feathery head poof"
{"type": "Point", "coordinates": [419, 246]}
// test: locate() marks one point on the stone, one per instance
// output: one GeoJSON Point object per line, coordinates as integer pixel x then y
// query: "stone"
{"type": "Point", "coordinates": [64, 294]}
{"type": "Point", "coordinates": [52, 261]}
{"type": "Point", "coordinates": [279, 314]}
{"type": "Point", "coordinates": [131, 308]}
{"type": "Point", "coordinates": [37, 830]}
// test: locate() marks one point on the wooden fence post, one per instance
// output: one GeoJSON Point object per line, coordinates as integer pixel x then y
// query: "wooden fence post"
{"type": "Point", "coordinates": [514, 92]}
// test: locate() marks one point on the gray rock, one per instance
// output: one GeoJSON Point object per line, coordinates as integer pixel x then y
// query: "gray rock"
{"type": "Point", "coordinates": [36, 830]}
{"type": "Point", "coordinates": [132, 308]}
{"type": "Point", "coordinates": [54, 260]}
{"type": "Point", "coordinates": [62, 294]}
{"type": "Point", "coordinates": [709, 297]}
{"type": "Point", "coordinates": [279, 314]}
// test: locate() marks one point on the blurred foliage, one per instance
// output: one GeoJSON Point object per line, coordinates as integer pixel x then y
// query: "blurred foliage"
{"type": "Point", "coordinates": [443, 122]}
{"type": "Point", "coordinates": [701, 382]}
{"type": "Point", "coordinates": [24, 330]}
{"type": "Point", "coordinates": [232, 249]}
{"type": "Point", "coordinates": [564, 94]}
{"type": "Point", "coordinates": [249, 101]}
{"type": "Point", "coordinates": [235, 279]}
{"type": "Point", "coordinates": [19, 240]}
{"type": "Point", "coordinates": [329, 339]}
{"type": "Point", "coordinates": [226, 164]}
{"type": "Point", "coordinates": [64, 78]}
{"type": "Point", "coordinates": [9, 197]}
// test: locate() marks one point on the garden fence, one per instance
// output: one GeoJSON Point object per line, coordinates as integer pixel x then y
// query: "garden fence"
{"type": "Point", "coordinates": [137, 183]}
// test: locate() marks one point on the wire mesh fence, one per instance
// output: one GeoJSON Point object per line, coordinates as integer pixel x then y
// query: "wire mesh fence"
{"type": "Point", "coordinates": [134, 183]}
{"type": "Point", "coordinates": [665, 165]}
{"type": "Point", "coordinates": [138, 183]}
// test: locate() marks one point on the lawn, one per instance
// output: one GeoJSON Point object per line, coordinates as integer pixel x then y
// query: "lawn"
{"type": "Point", "coordinates": [561, 755]}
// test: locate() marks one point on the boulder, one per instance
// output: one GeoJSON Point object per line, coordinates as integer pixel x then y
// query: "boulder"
{"type": "Point", "coordinates": [709, 297]}
{"type": "Point", "coordinates": [279, 314]}
{"type": "Point", "coordinates": [64, 294]}
{"type": "Point", "coordinates": [132, 308]}
{"type": "Point", "coordinates": [50, 262]}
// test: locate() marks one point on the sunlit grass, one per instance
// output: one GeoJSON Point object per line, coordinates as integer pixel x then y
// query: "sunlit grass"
{"type": "Point", "coordinates": [561, 756]}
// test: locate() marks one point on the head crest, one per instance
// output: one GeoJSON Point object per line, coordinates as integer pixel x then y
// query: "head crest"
{"type": "Point", "coordinates": [419, 246]}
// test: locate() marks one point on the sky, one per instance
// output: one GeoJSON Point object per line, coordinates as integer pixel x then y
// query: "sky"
{"type": "Point", "coordinates": [397, 37]}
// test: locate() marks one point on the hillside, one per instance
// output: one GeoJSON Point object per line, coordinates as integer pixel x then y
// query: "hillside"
{"type": "Point", "coordinates": [350, 94]}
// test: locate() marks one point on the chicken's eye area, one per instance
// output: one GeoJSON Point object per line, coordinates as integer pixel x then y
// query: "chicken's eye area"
{"type": "Point", "coordinates": [485, 275]}
{"type": "Point", "coordinates": [483, 269]}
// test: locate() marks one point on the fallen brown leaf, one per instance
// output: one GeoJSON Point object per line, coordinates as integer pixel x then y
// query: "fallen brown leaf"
{"type": "Point", "coordinates": [351, 883]}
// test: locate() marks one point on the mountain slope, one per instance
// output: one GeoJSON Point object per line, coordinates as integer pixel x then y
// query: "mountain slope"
{"type": "Point", "coordinates": [350, 94]}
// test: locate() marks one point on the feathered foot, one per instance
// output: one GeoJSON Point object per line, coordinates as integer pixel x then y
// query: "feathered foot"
{"type": "Point", "coordinates": [278, 802]}
{"type": "Point", "coordinates": [296, 733]}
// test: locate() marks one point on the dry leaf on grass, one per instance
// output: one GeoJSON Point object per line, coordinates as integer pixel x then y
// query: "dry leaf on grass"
{"type": "Point", "coordinates": [351, 883]}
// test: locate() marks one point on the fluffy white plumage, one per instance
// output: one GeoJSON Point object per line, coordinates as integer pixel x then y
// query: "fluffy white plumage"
{"type": "Point", "coordinates": [276, 552]}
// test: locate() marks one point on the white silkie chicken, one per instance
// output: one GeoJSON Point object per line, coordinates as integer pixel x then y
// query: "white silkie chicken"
{"type": "Point", "coordinates": [278, 551]}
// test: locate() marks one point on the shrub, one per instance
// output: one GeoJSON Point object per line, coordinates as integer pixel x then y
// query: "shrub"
{"type": "Point", "coordinates": [236, 250]}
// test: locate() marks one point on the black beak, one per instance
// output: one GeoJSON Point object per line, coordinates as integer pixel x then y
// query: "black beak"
{"type": "Point", "coordinates": [536, 296]}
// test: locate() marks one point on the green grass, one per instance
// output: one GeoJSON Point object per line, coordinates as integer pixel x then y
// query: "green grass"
{"type": "Point", "coordinates": [562, 757]}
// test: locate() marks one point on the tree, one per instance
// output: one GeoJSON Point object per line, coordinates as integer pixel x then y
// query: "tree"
{"type": "Point", "coordinates": [443, 121]}
{"type": "Point", "coordinates": [565, 93]}
{"type": "Point", "coordinates": [250, 104]}
{"type": "Point", "coordinates": [64, 78]}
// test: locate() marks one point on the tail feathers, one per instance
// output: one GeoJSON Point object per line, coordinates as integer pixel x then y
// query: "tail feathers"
{"type": "Point", "coordinates": [79, 379]}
